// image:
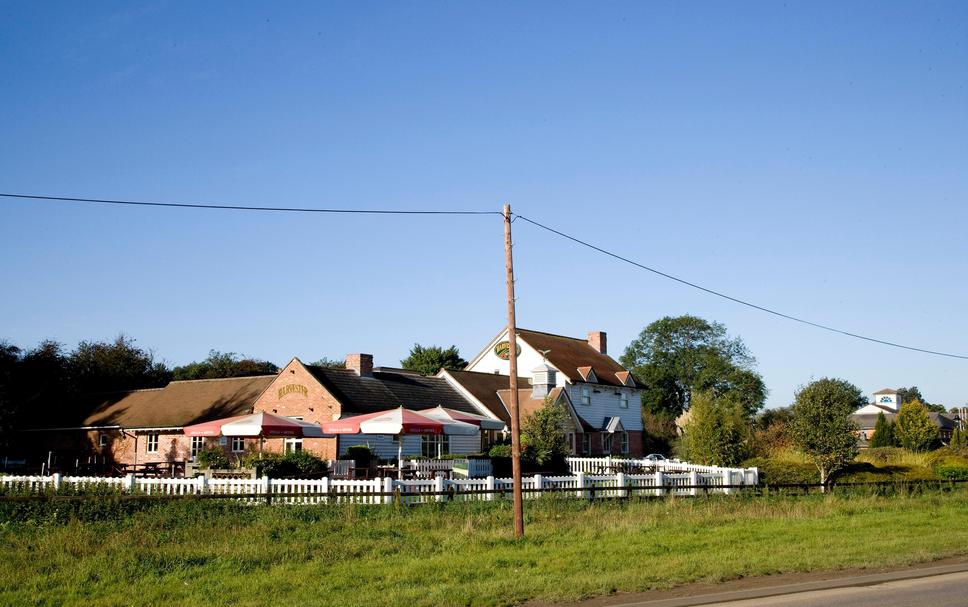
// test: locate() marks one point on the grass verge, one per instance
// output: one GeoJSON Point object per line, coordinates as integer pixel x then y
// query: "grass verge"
{"type": "Point", "coordinates": [192, 553]}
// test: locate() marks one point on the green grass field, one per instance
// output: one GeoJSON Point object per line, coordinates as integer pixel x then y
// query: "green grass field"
{"type": "Point", "coordinates": [192, 553]}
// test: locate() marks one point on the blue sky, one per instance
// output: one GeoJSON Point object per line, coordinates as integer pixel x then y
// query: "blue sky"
{"type": "Point", "coordinates": [811, 157]}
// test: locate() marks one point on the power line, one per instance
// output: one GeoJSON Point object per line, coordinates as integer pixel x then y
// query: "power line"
{"type": "Point", "coordinates": [735, 299]}
{"type": "Point", "coordinates": [231, 207]}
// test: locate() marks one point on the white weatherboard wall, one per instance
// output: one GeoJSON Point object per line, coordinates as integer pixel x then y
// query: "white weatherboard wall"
{"type": "Point", "coordinates": [605, 403]}
{"type": "Point", "coordinates": [527, 360]}
{"type": "Point", "coordinates": [386, 448]}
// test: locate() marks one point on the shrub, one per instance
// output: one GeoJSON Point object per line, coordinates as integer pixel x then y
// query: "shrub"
{"type": "Point", "coordinates": [361, 454]}
{"type": "Point", "coordinates": [779, 472]}
{"type": "Point", "coordinates": [914, 428]}
{"type": "Point", "coordinates": [718, 431]}
{"type": "Point", "coordinates": [953, 472]}
{"type": "Point", "coordinates": [296, 464]}
{"type": "Point", "coordinates": [500, 451]}
{"type": "Point", "coordinates": [213, 458]}
{"type": "Point", "coordinates": [866, 472]}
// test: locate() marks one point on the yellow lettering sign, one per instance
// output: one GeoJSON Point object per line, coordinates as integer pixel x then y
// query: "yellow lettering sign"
{"type": "Point", "coordinates": [293, 389]}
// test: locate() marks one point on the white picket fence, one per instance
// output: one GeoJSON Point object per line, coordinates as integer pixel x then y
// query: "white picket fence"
{"type": "Point", "coordinates": [387, 490]}
{"type": "Point", "coordinates": [610, 465]}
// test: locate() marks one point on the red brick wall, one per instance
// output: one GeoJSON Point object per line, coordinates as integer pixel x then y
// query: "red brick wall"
{"type": "Point", "coordinates": [296, 393]}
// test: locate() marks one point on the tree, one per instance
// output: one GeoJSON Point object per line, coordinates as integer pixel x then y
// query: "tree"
{"type": "Point", "coordinates": [330, 363]}
{"type": "Point", "coordinates": [224, 364]}
{"type": "Point", "coordinates": [718, 432]}
{"type": "Point", "coordinates": [914, 428]}
{"type": "Point", "coordinates": [430, 360]}
{"type": "Point", "coordinates": [772, 431]}
{"type": "Point", "coordinates": [677, 356]}
{"type": "Point", "coordinates": [542, 433]}
{"type": "Point", "coordinates": [907, 395]}
{"type": "Point", "coordinates": [119, 365]}
{"type": "Point", "coordinates": [822, 425]}
{"type": "Point", "coordinates": [883, 435]}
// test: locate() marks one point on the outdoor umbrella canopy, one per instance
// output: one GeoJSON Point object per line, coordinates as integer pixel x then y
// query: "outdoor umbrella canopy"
{"type": "Point", "coordinates": [398, 422]}
{"type": "Point", "coordinates": [263, 425]}
{"type": "Point", "coordinates": [484, 423]}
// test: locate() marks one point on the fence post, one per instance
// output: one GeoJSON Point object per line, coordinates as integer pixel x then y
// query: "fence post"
{"type": "Point", "coordinates": [658, 482]}
{"type": "Point", "coordinates": [580, 481]}
{"type": "Point", "coordinates": [387, 488]}
{"type": "Point", "coordinates": [489, 485]}
{"type": "Point", "coordinates": [130, 484]}
{"type": "Point", "coordinates": [57, 481]}
{"type": "Point", "coordinates": [324, 487]}
{"type": "Point", "coordinates": [727, 480]}
{"type": "Point", "coordinates": [694, 481]}
{"type": "Point", "coordinates": [539, 485]}
{"type": "Point", "coordinates": [756, 476]}
{"type": "Point", "coordinates": [439, 487]}
{"type": "Point", "coordinates": [620, 482]}
{"type": "Point", "coordinates": [608, 464]}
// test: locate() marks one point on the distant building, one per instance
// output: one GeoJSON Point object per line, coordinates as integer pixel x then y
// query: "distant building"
{"type": "Point", "coordinates": [888, 402]}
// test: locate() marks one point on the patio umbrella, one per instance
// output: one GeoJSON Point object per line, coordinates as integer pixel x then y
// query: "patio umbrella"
{"type": "Point", "coordinates": [398, 422]}
{"type": "Point", "coordinates": [263, 425]}
{"type": "Point", "coordinates": [484, 423]}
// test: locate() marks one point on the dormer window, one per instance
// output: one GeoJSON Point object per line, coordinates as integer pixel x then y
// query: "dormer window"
{"type": "Point", "coordinates": [586, 395]}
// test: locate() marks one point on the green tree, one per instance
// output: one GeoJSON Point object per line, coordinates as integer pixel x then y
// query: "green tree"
{"type": "Point", "coordinates": [907, 395]}
{"type": "Point", "coordinates": [223, 364]}
{"type": "Point", "coordinates": [718, 432]}
{"type": "Point", "coordinates": [330, 363]}
{"type": "Point", "coordinates": [97, 366]}
{"type": "Point", "coordinates": [771, 431]}
{"type": "Point", "coordinates": [543, 433]}
{"type": "Point", "coordinates": [677, 356]}
{"type": "Point", "coordinates": [429, 360]}
{"type": "Point", "coordinates": [883, 435]}
{"type": "Point", "coordinates": [822, 426]}
{"type": "Point", "coordinates": [914, 428]}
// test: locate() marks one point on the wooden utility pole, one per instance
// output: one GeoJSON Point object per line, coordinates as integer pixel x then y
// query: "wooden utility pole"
{"type": "Point", "coordinates": [513, 359]}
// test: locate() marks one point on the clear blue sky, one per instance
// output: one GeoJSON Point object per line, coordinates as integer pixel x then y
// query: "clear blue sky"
{"type": "Point", "coordinates": [811, 157]}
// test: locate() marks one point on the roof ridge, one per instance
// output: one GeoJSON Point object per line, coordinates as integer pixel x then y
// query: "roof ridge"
{"type": "Point", "coordinates": [202, 379]}
{"type": "Point", "coordinates": [555, 335]}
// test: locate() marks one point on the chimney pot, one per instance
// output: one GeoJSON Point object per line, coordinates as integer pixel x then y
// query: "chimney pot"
{"type": "Point", "coordinates": [597, 340]}
{"type": "Point", "coordinates": [361, 363]}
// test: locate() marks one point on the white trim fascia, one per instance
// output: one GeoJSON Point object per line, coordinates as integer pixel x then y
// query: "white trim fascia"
{"type": "Point", "coordinates": [450, 379]}
{"type": "Point", "coordinates": [488, 348]}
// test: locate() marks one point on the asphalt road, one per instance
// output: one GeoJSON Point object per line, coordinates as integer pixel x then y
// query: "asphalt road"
{"type": "Point", "coordinates": [949, 590]}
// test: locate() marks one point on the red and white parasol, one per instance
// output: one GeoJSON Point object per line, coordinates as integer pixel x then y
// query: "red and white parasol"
{"type": "Point", "coordinates": [262, 425]}
{"type": "Point", "coordinates": [482, 422]}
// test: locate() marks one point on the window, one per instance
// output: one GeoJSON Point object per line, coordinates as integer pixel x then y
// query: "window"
{"type": "Point", "coordinates": [238, 444]}
{"type": "Point", "coordinates": [102, 440]}
{"type": "Point", "coordinates": [151, 443]}
{"type": "Point", "coordinates": [293, 445]}
{"type": "Point", "coordinates": [586, 443]}
{"type": "Point", "coordinates": [571, 442]}
{"type": "Point", "coordinates": [623, 400]}
{"type": "Point", "coordinates": [198, 443]}
{"type": "Point", "coordinates": [606, 442]}
{"type": "Point", "coordinates": [586, 395]}
{"type": "Point", "coordinates": [625, 442]}
{"type": "Point", "coordinates": [434, 444]}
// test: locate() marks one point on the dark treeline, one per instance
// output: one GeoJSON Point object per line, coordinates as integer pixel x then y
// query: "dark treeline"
{"type": "Point", "coordinates": [45, 383]}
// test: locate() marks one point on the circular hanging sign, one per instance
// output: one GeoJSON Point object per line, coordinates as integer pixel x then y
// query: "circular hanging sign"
{"type": "Point", "coordinates": [503, 350]}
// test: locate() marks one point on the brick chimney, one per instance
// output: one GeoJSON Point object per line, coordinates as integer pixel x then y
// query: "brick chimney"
{"type": "Point", "coordinates": [597, 340]}
{"type": "Point", "coordinates": [361, 363]}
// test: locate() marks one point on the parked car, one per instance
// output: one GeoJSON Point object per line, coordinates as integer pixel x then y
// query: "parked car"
{"type": "Point", "coordinates": [656, 457]}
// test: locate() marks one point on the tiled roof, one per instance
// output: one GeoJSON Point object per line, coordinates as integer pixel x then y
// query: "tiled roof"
{"type": "Point", "coordinates": [180, 403]}
{"type": "Point", "coordinates": [485, 386]}
{"type": "Point", "coordinates": [387, 390]}
{"type": "Point", "coordinates": [568, 354]}
{"type": "Point", "coordinates": [886, 391]}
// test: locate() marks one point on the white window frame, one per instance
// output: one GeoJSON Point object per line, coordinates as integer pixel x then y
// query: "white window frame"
{"type": "Point", "coordinates": [572, 443]}
{"type": "Point", "coordinates": [238, 444]}
{"type": "Point", "coordinates": [292, 445]}
{"type": "Point", "coordinates": [586, 443]}
{"type": "Point", "coordinates": [586, 394]}
{"type": "Point", "coordinates": [430, 442]}
{"type": "Point", "coordinates": [198, 443]}
{"type": "Point", "coordinates": [151, 443]}
{"type": "Point", "coordinates": [102, 440]}
{"type": "Point", "coordinates": [623, 399]}
{"type": "Point", "coordinates": [625, 442]}
{"type": "Point", "coordinates": [606, 442]}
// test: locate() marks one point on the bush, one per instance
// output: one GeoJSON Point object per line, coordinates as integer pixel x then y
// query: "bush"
{"type": "Point", "coordinates": [361, 454]}
{"type": "Point", "coordinates": [213, 458]}
{"type": "Point", "coordinates": [500, 451]}
{"type": "Point", "coordinates": [296, 464]}
{"type": "Point", "coordinates": [778, 472]}
{"type": "Point", "coordinates": [953, 472]}
{"type": "Point", "coordinates": [865, 472]}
